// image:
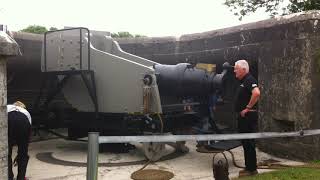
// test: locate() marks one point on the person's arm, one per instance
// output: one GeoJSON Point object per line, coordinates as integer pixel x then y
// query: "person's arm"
{"type": "Point", "coordinates": [255, 95]}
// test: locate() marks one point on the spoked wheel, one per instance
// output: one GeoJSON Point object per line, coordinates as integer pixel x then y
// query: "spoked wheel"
{"type": "Point", "coordinates": [153, 150]}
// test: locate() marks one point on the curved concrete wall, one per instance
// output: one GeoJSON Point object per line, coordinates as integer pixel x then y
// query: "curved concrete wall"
{"type": "Point", "coordinates": [24, 72]}
{"type": "Point", "coordinates": [283, 53]}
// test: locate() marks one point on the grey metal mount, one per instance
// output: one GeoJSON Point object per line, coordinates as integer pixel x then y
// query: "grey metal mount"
{"type": "Point", "coordinates": [64, 76]}
{"type": "Point", "coordinates": [118, 78]}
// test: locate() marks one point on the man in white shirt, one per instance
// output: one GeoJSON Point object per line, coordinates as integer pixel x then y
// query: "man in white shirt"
{"type": "Point", "coordinates": [19, 129]}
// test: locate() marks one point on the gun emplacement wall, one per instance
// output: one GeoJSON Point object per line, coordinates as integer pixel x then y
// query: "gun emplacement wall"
{"type": "Point", "coordinates": [284, 53]}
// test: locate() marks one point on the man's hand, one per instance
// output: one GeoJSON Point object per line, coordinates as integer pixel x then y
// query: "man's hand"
{"type": "Point", "coordinates": [244, 112]}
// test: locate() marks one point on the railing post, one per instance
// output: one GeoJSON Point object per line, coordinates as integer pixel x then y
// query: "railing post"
{"type": "Point", "coordinates": [92, 157]}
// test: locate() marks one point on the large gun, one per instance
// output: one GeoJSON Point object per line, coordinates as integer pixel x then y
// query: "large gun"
{"type": "Point", "coordinates": [185, 79]}
{"type": "Point", "coordinates": [103, 83]}
{"type": "Point", "coordinates": [102, 88]}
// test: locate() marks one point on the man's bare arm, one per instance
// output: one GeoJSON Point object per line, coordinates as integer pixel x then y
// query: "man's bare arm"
{"type": "Point", "coordinates": [254, 97]}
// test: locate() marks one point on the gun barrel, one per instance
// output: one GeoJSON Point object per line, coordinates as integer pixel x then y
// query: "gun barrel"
{"type": "Point", "coordinates": [185, 80]}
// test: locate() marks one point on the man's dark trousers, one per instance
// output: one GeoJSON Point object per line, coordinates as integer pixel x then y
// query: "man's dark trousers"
{"type": "Point", "coordinates": [248, 124]}
{"type": "Point", "coordinates": [18, 133]}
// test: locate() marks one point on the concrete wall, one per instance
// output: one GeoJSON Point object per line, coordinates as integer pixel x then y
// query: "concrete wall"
{"type": "Point", "coordinates": [3, 121]}
{"type": "Point", "coordinates": [283, 53]}
{"type": "Point", "coordinates": [24, 73]}
{"type": "Point", "coordinates": [290, 77]}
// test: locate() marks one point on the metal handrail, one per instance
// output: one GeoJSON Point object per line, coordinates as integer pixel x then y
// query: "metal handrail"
{"type": "Point", "coordinates": [95, 140]}
{"type": "Point", "coordinates": [206, 137]}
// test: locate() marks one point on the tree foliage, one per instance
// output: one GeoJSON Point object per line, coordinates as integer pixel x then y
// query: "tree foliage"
{"type": "Point", "coordinates": [124, 34]}
{"type": "Point", "coordinates": [298, 5]}
{"type": "Point", "coordinates": [245, 7]}
{"type": "Point", "coordinates": [35, 29]}
{"type": "Point", "coordinates": [53, 29]}
{"type": "Point", "coordinates": [139, 35]}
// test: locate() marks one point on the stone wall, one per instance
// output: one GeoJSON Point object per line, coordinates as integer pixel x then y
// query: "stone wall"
{"type": "Point", "coordinates": [3, 122]}
{"type": "Point", "coordinates": [284, 53]}
{"type": "Point", "coordinates": [289, 75]}
{"type": "Point", "coordinates": [24, 72]}
{"type": "Point", "coordinates": [8, 47]}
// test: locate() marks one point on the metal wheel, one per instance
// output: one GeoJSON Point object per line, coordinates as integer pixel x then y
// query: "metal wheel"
{"type": "Point", "coordinates": [153, 150]}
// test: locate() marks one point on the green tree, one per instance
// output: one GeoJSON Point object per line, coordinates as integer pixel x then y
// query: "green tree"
{"type": "Point", "coordinates": [125, 34]}
{"type": "Point", "coordinates": [35, 29]}
{"type": "Point", "coordinates": [53, 29]}
{"type": "Point", "coordinates": [114, 35]}
{"type": "Point", "coordinates": [245, 7]}
{"type": "Point", "coordinates": [139, 35]}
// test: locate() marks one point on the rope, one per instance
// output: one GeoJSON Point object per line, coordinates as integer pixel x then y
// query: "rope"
{"type": "Point", "coordinates": [152, 174]}
{"type": "Point", "coordinates": [161, 131]}
{"type": "Point", "coordinates": [145, 165]}
{"type": "Point", "coordinates": [161, 121]}
{"type": "Point", "coordinates": [146, 99]}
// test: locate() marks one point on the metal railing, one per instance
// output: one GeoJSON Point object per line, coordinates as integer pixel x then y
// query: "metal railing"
{"type": "Point", "coordinates": [95, 140]}
{"type": "Point", "coordinates": [92, 158]}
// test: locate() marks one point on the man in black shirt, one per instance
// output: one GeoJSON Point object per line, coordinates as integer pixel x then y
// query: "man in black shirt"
{"type": "Point", "coordinates": [246, 109]}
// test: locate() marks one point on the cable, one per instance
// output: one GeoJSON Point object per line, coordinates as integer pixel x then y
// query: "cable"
{"type": "Point", "coordinates": [273, 165]}
{"type": "Point", "coordinates": [161, 121]}
{"type": "Point", "coordinates": [161, 131]}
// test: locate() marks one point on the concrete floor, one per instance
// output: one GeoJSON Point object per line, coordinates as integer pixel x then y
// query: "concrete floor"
{"type": "Point", "coordinates": [190, 166]}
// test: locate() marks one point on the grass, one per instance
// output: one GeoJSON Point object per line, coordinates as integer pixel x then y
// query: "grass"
{"type": "Point", "coordinates": [288, 174]}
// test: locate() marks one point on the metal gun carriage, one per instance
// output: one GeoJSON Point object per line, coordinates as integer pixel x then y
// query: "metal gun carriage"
{"type": "Point", "coordinates": [90, 84]}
